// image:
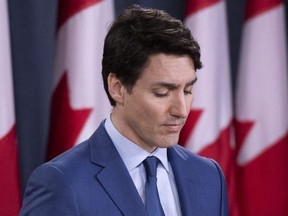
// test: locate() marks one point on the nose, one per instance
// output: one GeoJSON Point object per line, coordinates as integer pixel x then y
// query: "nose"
{"type": "Point", "coordinates": [180, 105]}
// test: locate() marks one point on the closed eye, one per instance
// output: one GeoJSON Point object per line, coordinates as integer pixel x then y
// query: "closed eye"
{"type": "Point", "coordinates": [188, 92]}
{"type": "Point", "coordinates": [157, 94]}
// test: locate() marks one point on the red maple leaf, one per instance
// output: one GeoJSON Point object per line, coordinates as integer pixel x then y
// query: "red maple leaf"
{"type": "Point", "coordinates": [66, 123]}
{"type": "Point", "coordinates": [242, 130]}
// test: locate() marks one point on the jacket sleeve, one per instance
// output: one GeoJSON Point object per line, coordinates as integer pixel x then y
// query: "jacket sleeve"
{"type": "Point", "coordinates": [48, 193]}
{"type": "Point", "coordinates": [224, 197]}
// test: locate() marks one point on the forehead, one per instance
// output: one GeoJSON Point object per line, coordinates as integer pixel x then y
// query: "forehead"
{"type": "Point", "coordinates": [169, 68]}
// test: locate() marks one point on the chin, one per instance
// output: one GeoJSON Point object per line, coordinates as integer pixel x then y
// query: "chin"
{"type": "Point", "coordinates": [173, 140]}
{"type": "Point", "coordinates": [169, 144]}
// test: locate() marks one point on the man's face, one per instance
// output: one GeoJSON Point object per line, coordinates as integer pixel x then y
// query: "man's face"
{"type": "Point", "coordinates": [154, 112]}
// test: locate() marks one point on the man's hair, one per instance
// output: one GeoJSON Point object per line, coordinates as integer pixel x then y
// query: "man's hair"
{"type": "Point", "coordinates": [135, 35]}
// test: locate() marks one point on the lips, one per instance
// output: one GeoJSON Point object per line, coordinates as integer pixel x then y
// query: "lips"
{"type": "Point", "coordinates": [174, 127]}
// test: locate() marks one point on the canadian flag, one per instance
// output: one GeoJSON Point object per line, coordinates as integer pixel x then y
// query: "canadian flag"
{"type": "Point", "coordinates": [79, 101]}
{"type": "Point", "coordinates": [9, 171]}
{"type": "Point", "coordinates": [209, 124]}
{"type": "Point", "coordinates": [262, 111]}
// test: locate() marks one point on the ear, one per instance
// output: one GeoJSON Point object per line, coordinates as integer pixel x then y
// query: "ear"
{"type": "Point", "coordinates": [115, 88]}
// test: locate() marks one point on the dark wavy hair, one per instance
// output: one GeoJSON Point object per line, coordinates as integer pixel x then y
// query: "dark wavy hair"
{"type": "Point", "coordinates": [135, 35]}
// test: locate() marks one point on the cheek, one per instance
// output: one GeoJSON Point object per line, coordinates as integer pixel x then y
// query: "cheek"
{"type": "Point", "coordinates": [190, 102]}
{"type": "Point", "coordinates": [147, 109]}
{"type": "Point", "coordinates": [150, 112]}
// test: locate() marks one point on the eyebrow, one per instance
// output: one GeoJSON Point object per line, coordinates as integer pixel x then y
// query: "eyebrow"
{"type": "Point", "coordinates": [193, 81]}
{"type": "Point", "coordinates": [174, 86]}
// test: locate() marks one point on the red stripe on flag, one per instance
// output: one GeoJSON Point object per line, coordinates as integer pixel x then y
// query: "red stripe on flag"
{"type": "Point", "coordinates": [256, 7]}
{"type": "Point", "coordinates": [66, 123]}
{"type": "Point", "coordinates": [266, 178]}
{"type": "Point", "coordinates": [222, 151]}
{"type": "Point", "coordinates": [68, 8]}
{"type": "Point", "coordinates": [9, 180]}
{"type": "Point", "coordinates": [192, 6]}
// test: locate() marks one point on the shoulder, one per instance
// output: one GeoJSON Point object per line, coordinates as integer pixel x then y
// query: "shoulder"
{"type": "Point", "coordinates": [205, 173]}
{"type": "Point", "coordinates": [62, 170]}
{"type": "Point", "coordinates": [203, 165]}
{"type": "Point", "coordinates": [189, 156]}
{"type": "Point", "coordinates": [49, 192]}
{"type": "Point", "coordinates": [80, 155]}
{"type": "Point", "coordinates": [72, 156]}
{"type": "Point", "coordinates": [57, 184]}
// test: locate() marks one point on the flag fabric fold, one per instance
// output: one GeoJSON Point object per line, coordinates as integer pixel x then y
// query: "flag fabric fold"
{"type": "Point", "coordinates": [79, 101]}
{"type": "Point", "coordinates": [9, 168]}
{"type": "Point", "coordinates": [261, 111]}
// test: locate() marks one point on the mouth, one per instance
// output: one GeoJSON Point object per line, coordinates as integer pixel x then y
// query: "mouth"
{"type": "Point", "coordinates": [174, 127]}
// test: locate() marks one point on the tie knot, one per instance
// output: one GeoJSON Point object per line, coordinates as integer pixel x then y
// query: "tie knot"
{"type": "Point", "coordinates": [150, 164]}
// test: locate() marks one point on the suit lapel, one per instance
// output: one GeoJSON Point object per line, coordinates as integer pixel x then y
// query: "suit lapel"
{"type": "Point", "coordinates": [186, 181]}
{"type": "Point", "coordinates": [114, 176]}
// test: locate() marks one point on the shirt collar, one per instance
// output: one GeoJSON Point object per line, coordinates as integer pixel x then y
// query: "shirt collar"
{"type": "Point", "coordinates": [132, 154]}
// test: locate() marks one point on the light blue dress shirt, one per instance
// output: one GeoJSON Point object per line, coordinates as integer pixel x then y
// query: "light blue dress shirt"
{"type": "Point", "coordinates": [133, 156]}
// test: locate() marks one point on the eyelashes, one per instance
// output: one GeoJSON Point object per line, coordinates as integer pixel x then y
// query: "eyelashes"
{"type": "Point", "coordinates": [161, 95]}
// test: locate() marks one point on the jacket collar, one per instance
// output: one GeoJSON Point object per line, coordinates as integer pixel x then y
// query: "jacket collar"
{"type": "Point", "coordinates": [116, 180]}
{"type": "Point", "coordinates": [114, 176]}
{"type": "Point", "coordinates": [187, 181]}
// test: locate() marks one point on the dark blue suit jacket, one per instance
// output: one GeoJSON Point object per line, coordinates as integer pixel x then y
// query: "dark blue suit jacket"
{"type": "Point", "coordinates": [91, 179]}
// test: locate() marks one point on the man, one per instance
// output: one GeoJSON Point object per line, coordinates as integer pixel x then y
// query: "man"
{"type": "Point", "coordinates": [149, 69]}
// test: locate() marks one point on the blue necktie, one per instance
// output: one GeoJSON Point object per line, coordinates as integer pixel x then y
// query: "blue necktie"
{"type": "Point", "coordinates": [153, 204]}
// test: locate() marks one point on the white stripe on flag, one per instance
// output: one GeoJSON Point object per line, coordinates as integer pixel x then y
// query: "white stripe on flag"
{"type": "Point", "coordinates": [262, 82]}
{"type": "Point", "coordinates": [80, 48]}
{"type": "Point", "coordinates": [212, 90]}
